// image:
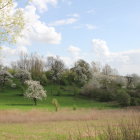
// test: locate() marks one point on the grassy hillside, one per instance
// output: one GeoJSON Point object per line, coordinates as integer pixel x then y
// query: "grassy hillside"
{"type": "Point", "coordinates": [13, 99]}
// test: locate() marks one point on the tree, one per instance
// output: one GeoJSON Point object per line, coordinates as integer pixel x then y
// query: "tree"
{"type": "Point", "coordinates": [56, 67]}
{"type": "Point", "coordinates": [34, 91]}
{"type": "Point", "coordinates": [135, 80]}
{"type": "Point", "coordinates": [107, 70]}
{"type": "Point", "coordinates": [23, 75]}
{"type": "Point", "coordinates": [82, 72]}
{"type": "Point", "coordinates": [96, 67]}
{"type": "Point", "coordinates": [11, 21]}
{"type": "Point", "coordinates": [5, 76]}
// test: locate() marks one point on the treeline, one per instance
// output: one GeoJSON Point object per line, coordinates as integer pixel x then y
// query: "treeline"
{"type": "Point", "coordinates": [101, 83]}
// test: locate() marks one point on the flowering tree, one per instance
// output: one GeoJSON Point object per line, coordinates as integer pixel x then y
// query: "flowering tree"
{"type": "Point", "coordinates": [11, 21]}
{"type": "Point", "coordinates": [23, 75]}
{"type": "Point", "coordinates": [82, 72]}
{"type": "Point", "coordinates": [56, 67]}
{"type": "Point", "coordinates": [34, 91]}
{"type": "Point", "coordinates": [4, 77]}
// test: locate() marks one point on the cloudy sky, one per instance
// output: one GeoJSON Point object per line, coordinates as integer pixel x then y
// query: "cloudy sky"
{"type": "Point", "coordinates": [105, 31]}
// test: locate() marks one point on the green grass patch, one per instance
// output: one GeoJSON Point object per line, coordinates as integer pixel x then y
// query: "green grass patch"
{"type": "Point", "coordinates": [13, 99]}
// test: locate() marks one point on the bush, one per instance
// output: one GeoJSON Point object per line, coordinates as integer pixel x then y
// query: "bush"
{"type": "Point", "coordinates": [134, 101]}
{"type": "Point", "coordinates": [43, 79]}
{"type": "Point", "coordinates": [123, 98]}
{"type": "Point", "coordinates": [56, 104]}
{"type": "Point", "coordinates": [105, 95]}
{"type": "Point", "coordinates": [99, 94]}
{"type": "Point", "coordinates": [74, 107]}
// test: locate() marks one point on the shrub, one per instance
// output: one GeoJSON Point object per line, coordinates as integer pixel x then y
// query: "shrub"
{"type": "Point", "coordinates": [96, 92]}
{"type": "Point", "coordinates": [43, 79]}
{"type": "Point", "coordinates": [123, 98]}
{"type": "Point", "coordinates": [134, 101]}
{"type": "Point", "coordinates": [104, 95]}
{"type": "Point", "coordinates": [56, 104]}
{"type": "Point", "coordinates": [74, 107]}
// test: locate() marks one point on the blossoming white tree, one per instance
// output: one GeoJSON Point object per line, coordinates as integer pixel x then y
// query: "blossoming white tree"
{"type": "Point", "coordinates": [11, 21]}
{"type": "Point", "coordinates": [23, 75]}
{"type": "Point", "coordinates": [35, 91]}
{"type": "Point", "coordinates": [4, 77]}
{"type": "Point", "coordinates": [82, 71]}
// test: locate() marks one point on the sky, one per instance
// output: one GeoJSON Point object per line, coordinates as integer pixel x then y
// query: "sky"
{"type": "Point", "coordinates": [105, 31]}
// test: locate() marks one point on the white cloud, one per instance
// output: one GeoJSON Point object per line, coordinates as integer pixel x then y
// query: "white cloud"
{"type": "Point", "coordinates": [67, 61]}
{"type": "Point", "coordinates": [64, 21]}
{"type": "Point", "coordinates": [125, 62]}
{"type": "Point", "coordinates": [9, 54]}
{"type": "Point", "coordinates": [86, 26]}
{"type": "Point", "coordinates": [74, 50]}
{"type": "Point", "coordinates": [100, 47]}
{"type": "Point", "coordinates": [91, 27]}
{"type": "Point", "coordinates": [42, 5]}
{"type": "Point", "coordinates": [36, 30]}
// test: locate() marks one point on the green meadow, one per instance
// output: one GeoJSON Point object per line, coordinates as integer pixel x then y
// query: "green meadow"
{"type": "Point", "coordinates": [14, 99]}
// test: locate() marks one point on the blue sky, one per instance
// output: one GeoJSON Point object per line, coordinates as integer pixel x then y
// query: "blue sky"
{"type": "Point", "coordinates": [117, 22]}
{"type": "Point", "coordinates": [95, 30]}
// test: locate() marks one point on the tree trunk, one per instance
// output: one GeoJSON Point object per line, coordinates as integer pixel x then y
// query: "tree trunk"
{"type": "Point", "coordinates": [35, 101]}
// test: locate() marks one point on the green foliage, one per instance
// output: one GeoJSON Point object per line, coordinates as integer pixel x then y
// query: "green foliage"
{"type": "Point", "coordinates": [58, 92]}
{"type": "Point", "coordinates": [13, 99]}
{"type": "Point", "coordinates": [123, 98]}
{"type": "Point", "coordinates": [56, 67]}
{"type": "Point", "coordinates": [100, 94]}
{"type": "Point", "coordinates": [82, 72]}
{"type": "Point", "coordinates": [23, 75]}
{"type": "Point", "coordinates": [75, 91]}
{"type": "Point", "coordinates": [42, 79]}
{"type": "Point", "coordinates": [134, 101]}
{"type": "Point", "coordinates": [55, 103]}
{"type": "Point", "coordinates": [74, 107]}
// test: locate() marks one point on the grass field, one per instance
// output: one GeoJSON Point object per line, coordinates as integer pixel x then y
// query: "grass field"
{"type": "Point", "coordinates": [13, 99]}
{"type": "Point", "coordinates": [92, 120]}
{"type": "Point", "coordinates": [85, 124]}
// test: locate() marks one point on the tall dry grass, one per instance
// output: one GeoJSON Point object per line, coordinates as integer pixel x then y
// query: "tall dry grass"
{"type": "Point", "coordinates": [17, 116]}
{"type": "Point", "coordinates": [122, 124]}
{"type": "Point", "coordinates": [122, 130]}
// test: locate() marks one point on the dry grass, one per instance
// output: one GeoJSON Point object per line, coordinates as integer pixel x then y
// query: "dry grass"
{"type": "Point", "coordinates": [36, 116]}
{"type": "Point", "coordinates": [69, 125]}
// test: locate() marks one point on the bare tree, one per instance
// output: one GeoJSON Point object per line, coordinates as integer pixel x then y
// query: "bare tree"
{"type": "Point", "coordinates": [107, 70]}
{"type": "Point", "coordinates": [32, 63]}
{"type": "Point", "coordinates": [96, 67]}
